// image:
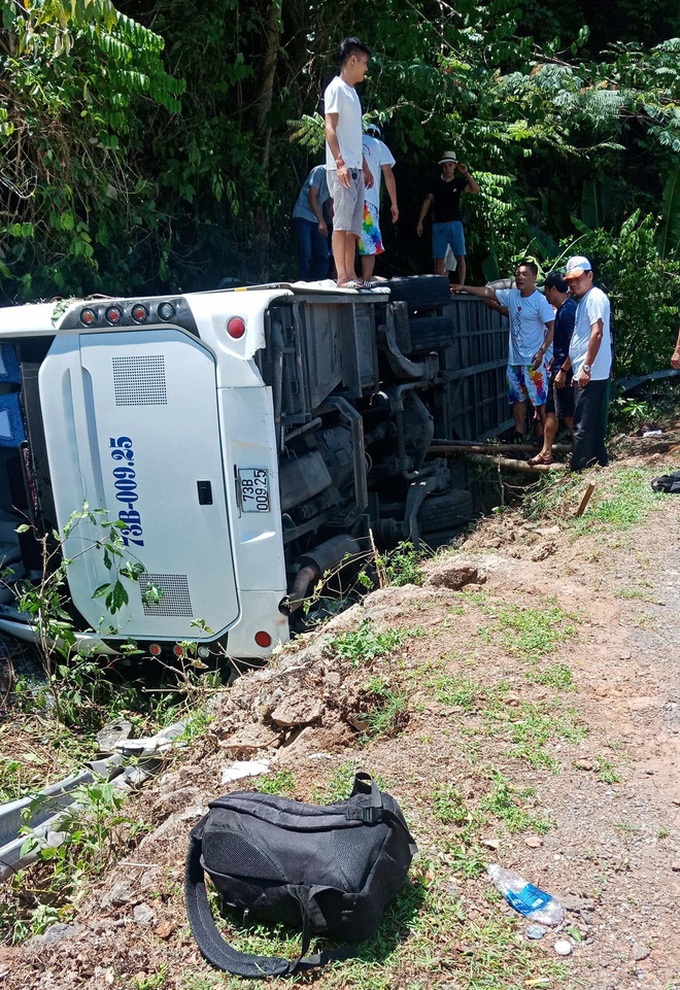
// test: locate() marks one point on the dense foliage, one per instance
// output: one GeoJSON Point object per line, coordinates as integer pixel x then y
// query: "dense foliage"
{"type": "Point", "coordinates": [160, 144]}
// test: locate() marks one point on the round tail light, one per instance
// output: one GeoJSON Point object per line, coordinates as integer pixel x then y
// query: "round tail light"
{"type": "Point", "coordinates": [114, 314]}
{"type": "Point", "coordinates": [263, 639]}
{"type": "Point", "coordinates": [166, 311]}
{"type": "Point", "coordinates": [139, 313]}
{"type": "Point", "coordinates": [236, 327]}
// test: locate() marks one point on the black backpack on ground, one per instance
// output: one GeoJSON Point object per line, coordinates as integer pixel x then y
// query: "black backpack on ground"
{"type": "Point", "coordinates": [667, 483]}
{"type": "Point", "coordinates": [332, 869]}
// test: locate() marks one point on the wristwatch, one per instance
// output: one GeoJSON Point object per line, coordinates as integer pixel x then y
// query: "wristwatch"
{"type": "Point", "coordinates": [586, 368]}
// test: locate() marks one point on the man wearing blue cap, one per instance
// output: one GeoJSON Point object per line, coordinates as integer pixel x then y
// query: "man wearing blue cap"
{"type": "Point", "coordinates": [590, 359]}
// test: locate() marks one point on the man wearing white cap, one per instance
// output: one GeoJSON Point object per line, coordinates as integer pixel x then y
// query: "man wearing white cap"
{"type": "Point", "coordinates": [590, 358]}
{"type": "Point", "coordinates": [447, 225]}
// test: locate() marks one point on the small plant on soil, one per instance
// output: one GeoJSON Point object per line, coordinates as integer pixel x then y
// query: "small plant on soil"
{"type": "Point", "coordinates": [95, 831]}
{"type": "Point", "coordinates": [387, 713]}
{"type": "Point", "coordinates": [457, 692]}
{"type": "Point", "coordinates": [530, 633]}
{"type": "Point", "coordinates": [509, 805]}
{"type": "Point", "coordinates": [530, 727]}
{"type": "Point", "coordinates": [558, 676]}
{"type": "Point", "coordinates": [366, 643]}
{"type": "Point", "coordinates": [282, 782]}
{"type": "Point", "coordinates": [448, 805]}
{"type": "Point", "coordinates": [606, 772]}
{"type": "Point", "coordinates": [152, 981]}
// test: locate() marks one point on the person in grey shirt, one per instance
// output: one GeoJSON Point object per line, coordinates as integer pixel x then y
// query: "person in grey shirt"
{"type": "Point", "coordinates": [311, 226]}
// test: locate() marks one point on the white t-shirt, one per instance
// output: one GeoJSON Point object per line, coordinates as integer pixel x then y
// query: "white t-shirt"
{"type": "Point", "coordinates": [592, 307]}
{"type": "Point", "coordinates": [528, 318]}
{"type": "Point", "coordinates": [344, 100]}
{"type": "Point", "coordinates": [376, 154]}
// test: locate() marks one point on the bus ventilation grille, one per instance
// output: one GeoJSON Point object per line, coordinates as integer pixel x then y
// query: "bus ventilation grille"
{"type": "Point", "coordinates": [140, 380]}
{"type": "Point", "coordinates": [171, 592]}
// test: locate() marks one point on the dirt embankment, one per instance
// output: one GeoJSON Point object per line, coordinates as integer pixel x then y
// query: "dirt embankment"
{"type": "Point", "coordinates": [524, 706]}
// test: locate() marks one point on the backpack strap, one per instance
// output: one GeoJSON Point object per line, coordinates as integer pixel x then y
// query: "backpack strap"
{"type": "Point", "coordinates": [375, 810]}
{"type": "Point", "coordinates": [223, 955]}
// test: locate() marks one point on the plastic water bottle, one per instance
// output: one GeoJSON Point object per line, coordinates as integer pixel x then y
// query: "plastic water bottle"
{"type": "Point", "coordinates": [530, 901]}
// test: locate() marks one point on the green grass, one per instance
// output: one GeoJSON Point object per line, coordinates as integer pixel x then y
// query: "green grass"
{"type": "Point", "coordinates": [530, 633]}
{"type": "Point", "coordinates": [528, 729]}
{"type": "Point", "coordinates": [367, 643]}
{"type": "Point", "coordinates": [281, 782]}
{"type": "Point", "coordinates": [626, 505]}
{"type": "Point", "coordinates": [388, 713]}
{"type": "Point", "coordinates": [623, 497]}
{"type": "Point", "coordinates": [606, 771]}
{"type": "Point", "coordinates": [557, 676]}
{"type": "Point", "coordinates": [511, 806]}
{"type": "Point", "coordinates": [631, 593]}
{"type": "Point", "coordinates": [448, 806]}
{"type": "Point", "coordinates": [456, 692]}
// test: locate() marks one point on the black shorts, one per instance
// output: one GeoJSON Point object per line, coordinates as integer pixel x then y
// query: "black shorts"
{"type": "Point", "coordinates": [560, 400]}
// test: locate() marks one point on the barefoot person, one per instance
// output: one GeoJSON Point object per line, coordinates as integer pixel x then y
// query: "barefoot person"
{"type": "Point", "coordinates": [348, 173]}
{"type": "Point", "coordinates": [560, 402]}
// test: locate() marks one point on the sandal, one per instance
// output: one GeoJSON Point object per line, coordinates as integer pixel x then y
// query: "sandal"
{"type": "Point", "coordinates": [354, 283]}
{"type": "Point", "coordinates": [541, 459]}
{"type": "Point", "coordinates": [367, 284]}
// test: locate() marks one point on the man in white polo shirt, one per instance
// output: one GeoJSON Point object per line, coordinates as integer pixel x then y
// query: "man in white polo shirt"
{"type": "Point", "coordinates": [348, 174]}
{"type": "Point", "coordinates": [590, 358]}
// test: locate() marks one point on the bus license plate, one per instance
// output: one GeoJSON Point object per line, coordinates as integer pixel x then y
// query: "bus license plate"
{"type": "Point", "coordinates": [254, 487]}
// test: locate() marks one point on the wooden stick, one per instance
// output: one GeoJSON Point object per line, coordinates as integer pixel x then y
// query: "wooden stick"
{"type": "Point", "coordinates": [512, 464]}
{"type": "Point", "coordinates": [586, 498]}
{"type": "Point", "coordinates": [454, 447]}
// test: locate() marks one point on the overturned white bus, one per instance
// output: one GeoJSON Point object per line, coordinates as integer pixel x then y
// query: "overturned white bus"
{"type": "Point", "coordinates": [246, 439]}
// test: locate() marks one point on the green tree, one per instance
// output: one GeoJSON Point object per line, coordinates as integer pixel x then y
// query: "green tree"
{"type": "Point", "coordinates": [75, 214]}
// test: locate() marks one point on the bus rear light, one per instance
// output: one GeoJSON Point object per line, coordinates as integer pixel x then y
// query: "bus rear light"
{"type": "Point", "coordinates": [236, 327]}
{"type": "Point", "coordinates": [178, 650]}
{"type": "Point", "coordinates": [88, 317]}
{"type": "Point", "coordinates": [166, 311]}
{"type": "Point", "coordinates": [114, 314]}
{"type": "Point", "coordinates": [154, 650]}
{"type": "Point", "coordinates": [139, 313]}
{"type": "Point", "coordinates": [263, 639]}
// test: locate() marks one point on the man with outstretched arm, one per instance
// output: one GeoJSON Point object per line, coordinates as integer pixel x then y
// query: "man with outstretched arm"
{"type": "Point", "coordinates": [348, 172]}
{"type": "Point", "coordinates": [531, 333]}
{"type": "Point", "coordinates": [590, 359]}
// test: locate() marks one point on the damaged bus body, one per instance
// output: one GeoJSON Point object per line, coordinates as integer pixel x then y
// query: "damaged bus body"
{"type": "Point", "coordinates": [247, 440]}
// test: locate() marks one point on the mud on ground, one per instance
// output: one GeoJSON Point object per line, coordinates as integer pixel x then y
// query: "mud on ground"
{"type": "Point", "coordinates": [536, 724]}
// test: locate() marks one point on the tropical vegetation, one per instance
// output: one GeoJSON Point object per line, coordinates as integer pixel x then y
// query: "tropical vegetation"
{"type": "Point", "coordinates": [159, 146]}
